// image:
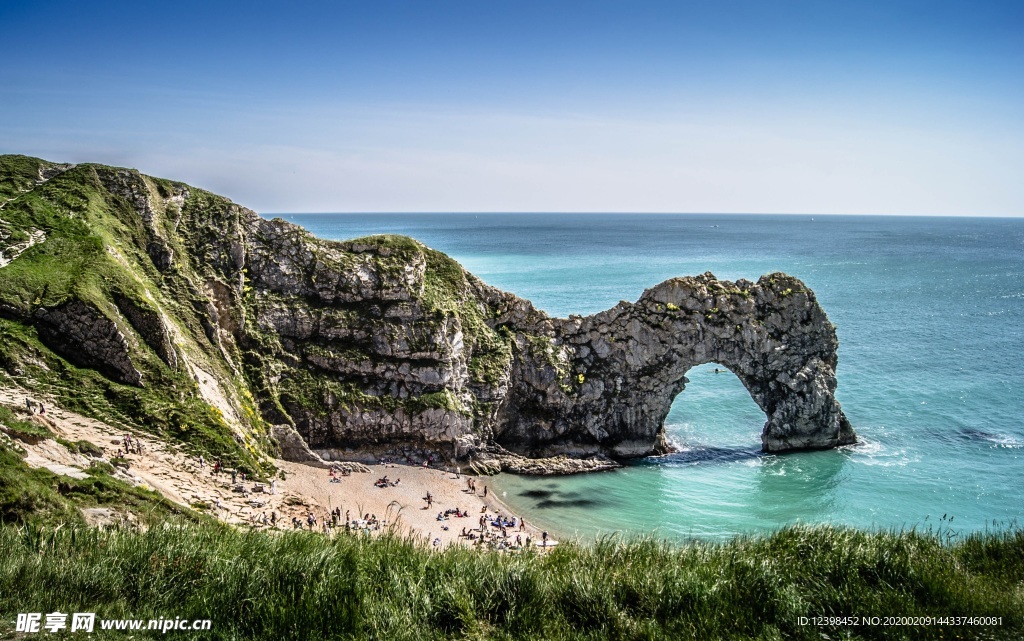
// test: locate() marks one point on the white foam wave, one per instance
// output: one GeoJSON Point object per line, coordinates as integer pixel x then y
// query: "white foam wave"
{"type": "Point", "coordinates": [876, 454]}
{"type": "Point", "coordinates": [1005, 441]}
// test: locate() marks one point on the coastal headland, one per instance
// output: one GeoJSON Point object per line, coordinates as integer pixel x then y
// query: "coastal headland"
{"type": "Point", "coordinates": [164, 306]}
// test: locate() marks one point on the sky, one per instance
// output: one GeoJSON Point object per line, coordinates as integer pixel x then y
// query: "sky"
{"type": "Point", "coordinates": [868, 107]}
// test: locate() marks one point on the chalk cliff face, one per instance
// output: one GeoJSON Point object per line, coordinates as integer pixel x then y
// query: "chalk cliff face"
{"type": "Point", "coordinates": [382, 345]}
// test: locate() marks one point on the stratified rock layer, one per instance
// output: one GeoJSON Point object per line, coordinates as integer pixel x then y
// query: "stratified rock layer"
{"type": "Point", "coordinates": [620, 370]}
{"type": "Point", "coordinates": [382, 346]}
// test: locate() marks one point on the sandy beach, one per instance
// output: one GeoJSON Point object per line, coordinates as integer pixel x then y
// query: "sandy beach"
{"type": "Point", "coordinates": [402, 506]}
{"type": "Point", "coordinates": [305, 488]}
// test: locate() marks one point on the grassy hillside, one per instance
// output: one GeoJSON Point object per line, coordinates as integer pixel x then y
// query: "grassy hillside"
{"type": "Point", "coordinates": [305, 586]}
{"type": "Point", "coordinates": [90, 248]}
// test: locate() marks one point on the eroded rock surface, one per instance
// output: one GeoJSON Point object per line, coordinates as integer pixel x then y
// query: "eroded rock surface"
{"type": "Point", "coordinates": [613, 376]}
{"type": "Point", "coordinates": [381, 346]}
{"type": "Point", "coordinates": [87, 337]}
{"type": "Point", "coordinates": [373, 349]}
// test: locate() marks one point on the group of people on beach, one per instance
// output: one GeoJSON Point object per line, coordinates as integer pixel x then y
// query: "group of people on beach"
{"type": "Point", "coordinates": [450, 512]}
{"type": "Point", "coordinates": [385, 482]}
{"type": "Point", "coordinates": [333, 520]}
{"type": "Point", "coordinates": [495, 531]}
{"type": "Point", "coordinates": [336, 472]}
{"type": "Point", "coordinates": [471, 486]}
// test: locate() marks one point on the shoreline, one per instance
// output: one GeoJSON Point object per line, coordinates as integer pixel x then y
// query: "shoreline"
{"type": "Point", "coordinates": [403, 506]}
{"type": "Point", "coordinates": [305, 489]}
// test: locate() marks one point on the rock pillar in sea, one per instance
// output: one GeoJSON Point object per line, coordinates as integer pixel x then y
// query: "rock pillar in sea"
{"type": "Point", "coordinates": [605, 383]}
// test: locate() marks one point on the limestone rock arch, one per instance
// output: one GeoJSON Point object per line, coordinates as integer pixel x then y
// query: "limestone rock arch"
{"type": "Point", "coordinates": [606, 382]}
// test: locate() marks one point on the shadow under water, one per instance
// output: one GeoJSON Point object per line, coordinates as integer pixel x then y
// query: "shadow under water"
{"type": "Point", "coordinates": [552, 497]}
{"type": "Point", "coordinates": [704, 454]}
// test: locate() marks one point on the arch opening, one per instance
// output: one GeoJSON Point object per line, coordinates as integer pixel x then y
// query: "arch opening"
{"type": "Point", "coordinates": [714, 418]}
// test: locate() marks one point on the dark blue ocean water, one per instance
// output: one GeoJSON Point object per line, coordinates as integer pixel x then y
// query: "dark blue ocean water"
{"type": "Point", "coordinates": [929, 313]}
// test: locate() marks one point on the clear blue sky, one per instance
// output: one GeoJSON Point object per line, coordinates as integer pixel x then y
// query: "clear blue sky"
{"type": "Point", "coordinates": [868, 107]}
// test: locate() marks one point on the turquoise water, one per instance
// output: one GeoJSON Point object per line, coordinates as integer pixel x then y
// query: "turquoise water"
{"type": "Point", "coordinates": [929, 314]}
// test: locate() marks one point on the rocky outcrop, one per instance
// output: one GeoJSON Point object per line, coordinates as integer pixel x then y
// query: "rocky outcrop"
{"type": "Point", "coordinates": [380, 345]}
{"type": "Point", "coordinates": [87, 337]}
{"type": "Point", "coordinates": [133, 189]}
{"type": "Point", "coordinates": [549, 466]}
{"type": "Point", "coordinates": [605, 383]}
{"type": "Point", "coordinates": [150, 327]}
{"type": "Point", "coordinates": [372, 351]}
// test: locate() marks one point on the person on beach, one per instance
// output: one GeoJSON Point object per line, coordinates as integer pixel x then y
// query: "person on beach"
{"type": "Point", "coordinates": [273, 486]}
{"type": "Point", "coordinates": [544, 538]}
{"type": "Point", "coordinates": [485, 491]}
{"type": "Point", "coordinates": [202, 463]}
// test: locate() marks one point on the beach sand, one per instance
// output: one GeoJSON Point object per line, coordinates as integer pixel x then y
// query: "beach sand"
{"type": "Point", "coordinates": [403, 505]}
{"type": "Point", "coordinates": [305, 488]}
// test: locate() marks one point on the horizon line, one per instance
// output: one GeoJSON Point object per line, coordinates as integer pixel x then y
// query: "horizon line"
{"type": "Point", "coordinates": [625, 213]}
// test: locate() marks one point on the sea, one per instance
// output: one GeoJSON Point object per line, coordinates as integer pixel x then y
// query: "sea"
{"type": "Point", "coordinates": [929, 314]}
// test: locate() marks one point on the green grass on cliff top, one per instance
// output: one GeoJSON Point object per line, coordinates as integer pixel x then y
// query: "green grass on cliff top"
{"type": "Point", "coordinates": [305, 586]}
